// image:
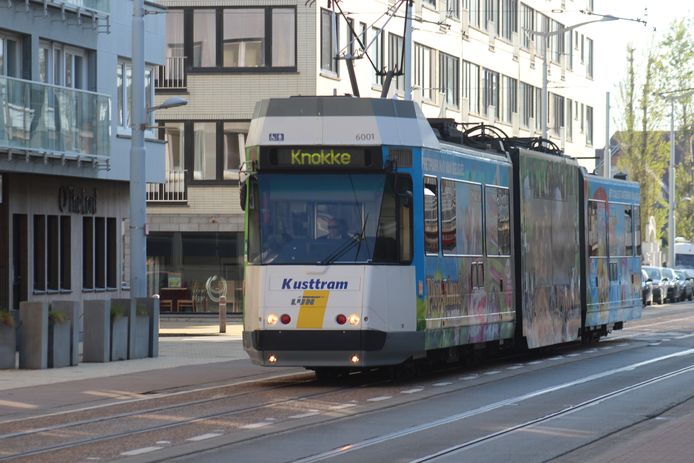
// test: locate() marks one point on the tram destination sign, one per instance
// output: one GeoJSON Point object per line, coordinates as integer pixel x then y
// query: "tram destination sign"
{"type": "Point", "coordinates": [321, 158]}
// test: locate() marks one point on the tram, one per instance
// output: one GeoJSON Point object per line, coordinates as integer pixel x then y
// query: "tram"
{"type": "Point", "coordinates": [377, 237]}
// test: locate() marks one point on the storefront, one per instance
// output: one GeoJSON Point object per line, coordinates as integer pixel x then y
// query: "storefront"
{"type": "Point", "coordinates": [191, 270]}
{"type": "Point", "coordinates": [63, 239]}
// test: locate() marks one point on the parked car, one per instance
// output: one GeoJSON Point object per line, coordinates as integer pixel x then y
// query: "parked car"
{"type": "Point", "coordinates": [673, 289]}
{"type": "Point", "coordinates": [686, 283]}
{"type": "Point", "coordinates": [660, 286]}
{"type": "Point", "coordinates": [646, 288]}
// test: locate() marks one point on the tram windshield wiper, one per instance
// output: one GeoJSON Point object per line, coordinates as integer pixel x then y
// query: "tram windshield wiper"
{"type": "Point", "coordinates": [354, 240]}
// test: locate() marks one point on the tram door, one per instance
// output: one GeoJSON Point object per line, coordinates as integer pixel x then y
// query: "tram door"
{"type": "Point", "coordinates": [19, 260]}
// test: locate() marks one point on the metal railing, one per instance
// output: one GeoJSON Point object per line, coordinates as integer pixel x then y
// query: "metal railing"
{"type": "Point", "coordinates": [172, 75]}
{"type": "Point", "coordinates": [54, 120]}
{"type": "Point", "coordinates": [172, 190]}
{"type": "Point", "coordinates": [95, 5]}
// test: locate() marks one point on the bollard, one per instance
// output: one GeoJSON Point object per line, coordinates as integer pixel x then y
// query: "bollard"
{"type": "Point", "coordinates": [222, 314]}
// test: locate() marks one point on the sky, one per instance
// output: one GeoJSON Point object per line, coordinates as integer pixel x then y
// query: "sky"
{"type": "Point", "coordinates": [614, 36]}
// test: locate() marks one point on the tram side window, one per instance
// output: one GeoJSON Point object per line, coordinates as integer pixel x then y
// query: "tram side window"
{"type": "Point", "coordinates": [617, 231]}
{"type": "Point", "coordinates": [431, 215]}
{"type": "Point", "coordinates": [253, 239]}
{"type": "Point", "coordinates": [628, 231]}
{"type": "Point", "coordinates": [637, 228]}
{"type": "Point", "coordinates": [597, 229]}
{"type": "Point", "coordinates": [461, 218]}
{"type": "Point", "coordinates": [498, 237]}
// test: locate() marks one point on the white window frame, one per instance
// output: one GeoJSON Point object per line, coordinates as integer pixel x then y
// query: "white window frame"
{"type": "Point", "coordinates": [124, 126]}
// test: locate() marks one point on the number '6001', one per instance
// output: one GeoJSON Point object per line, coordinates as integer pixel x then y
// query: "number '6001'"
{"type": "Point", "coordinates": [365, 136]}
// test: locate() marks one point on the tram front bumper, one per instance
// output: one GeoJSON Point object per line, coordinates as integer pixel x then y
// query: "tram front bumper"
{"type": "Point", "coordinates": [348, 348]}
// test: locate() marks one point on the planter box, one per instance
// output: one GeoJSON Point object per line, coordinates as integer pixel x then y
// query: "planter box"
{"type": "Point", "coordinates": [59, 342]}
{"type": "Point", "coordinates": [8, 347]}
{"type": "Point", "coordinates": [97, 331]}
{"type": "Point", "coordinates": [70, 311]}
{"type": "Point", "coordinates": [119, 338]}
{"type": "Point", "coordinates": [141, 337]}
{"type": "Point", "coordinates": [33, 350]}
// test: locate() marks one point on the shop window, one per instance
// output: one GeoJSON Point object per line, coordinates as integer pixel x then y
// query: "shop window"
{"type": "Point", "coordinates": [88, 253]}
{"type": "Point", "coordinates": [99, 253]}
{"type": "Point", "coordinates": [52, 253]}
{"type": "Point", "coordinates": [39, 253]}
{"type": "Point", "coordinates": [111, 253]}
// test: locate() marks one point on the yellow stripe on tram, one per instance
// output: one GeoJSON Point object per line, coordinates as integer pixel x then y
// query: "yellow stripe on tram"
{"type": "Point", "coordinates": [312, 309]}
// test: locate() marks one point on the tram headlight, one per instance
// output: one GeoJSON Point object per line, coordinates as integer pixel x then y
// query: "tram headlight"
{"type": "Point", "coordinates": [272, 319]}
{"type": "Point", "coordinates": [354, 319]}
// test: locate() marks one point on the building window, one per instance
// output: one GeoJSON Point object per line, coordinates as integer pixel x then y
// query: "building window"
{"type": "Point", "coordinates": [376, 53]}
{"type": "Point", "coordinates": [424, 70]}
{"type": "Point", "coordinates": [509, 18]}
{"type": "Point", "coordinates": [174, 134]}
{"type": "Point", "coordinates": [527, 25]}
{"type": "Point", "coordinates": [453, 8]}
{"type": "Point", "coordinates": [63, 65]}
{"type": "Point", "coordinates": [234, 150]}
{"type": "Point", "coordinates": [589, 126]}
{"type": "Point", "coordinates": [509, 98]}
{"type": "Point", "coordinates": [491, 16]}
{"type": "Point", "coordinates": [328, 47]}
{"type": "Point", "coordinates": [569, 119]}
{"type": "Point", "coordinates": [99, 253]}
{"type": "Point", "coordinates": [124, 95]}
{"type": "Point", "coordinates": [10, 56]}
{"type": "Point", "coordinates": [395, 59]}
{"type": "Point", "coordinates": [471, 86]}
{"type": "Point", "coordinates": [589, 65]}
{"type": "Point", "coordinates": [204, 38]}
{"type": "Point", "coordinates": [216, 151]}
{"type": "Point", "coordinates": [250, 38]}
{"type": "Point", "coordinates": [448, 78]}
{"type": "Point", "coordinates": [52, 253]}
{"type": "Point", "coordinates": [556, 111]}
{"type": "Point", "coordinates": [527, 104]}
{"type": "Point", "coordinates": [204, 151]}
{"type": "Point", "coordinates": [491, 93]}
{"type": "Point", "coordinates": [473, 8]}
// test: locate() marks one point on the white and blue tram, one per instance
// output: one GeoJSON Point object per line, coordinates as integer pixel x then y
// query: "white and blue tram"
{"type": "Point", "coordinates": [375, 237]}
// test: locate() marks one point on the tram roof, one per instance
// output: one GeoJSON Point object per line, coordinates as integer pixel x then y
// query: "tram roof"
{"type": "Point", "coordinates": [340, 120]}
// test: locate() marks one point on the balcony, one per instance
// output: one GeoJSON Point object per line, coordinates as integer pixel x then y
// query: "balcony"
{"type": "Point", "coordinates": [172, 75]}
{"type": "Point", "coordinates": [103, 6]}
{"type": "Point", "coordinates": [172, 191]}
{"type": "Point", "coordinates": [53, 122]}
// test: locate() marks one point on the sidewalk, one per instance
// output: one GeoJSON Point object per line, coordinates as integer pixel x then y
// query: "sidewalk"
{"type": "Point", "coordinates": [182, 341]}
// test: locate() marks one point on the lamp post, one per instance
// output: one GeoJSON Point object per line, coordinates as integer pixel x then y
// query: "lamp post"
{"type": "Point", "coordinates": [139, 113]}
{"type": "Point", "coordinates": [545, 38]}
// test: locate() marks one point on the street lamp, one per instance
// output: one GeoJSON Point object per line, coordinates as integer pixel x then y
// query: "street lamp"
{"type": "Point", "coordinates": [138, 201]}
{"type": "Point", "coordinates": [545, 38]}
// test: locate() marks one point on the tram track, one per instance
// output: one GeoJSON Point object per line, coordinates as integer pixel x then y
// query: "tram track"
{"type": "Point", "coordinates": [260, 390]}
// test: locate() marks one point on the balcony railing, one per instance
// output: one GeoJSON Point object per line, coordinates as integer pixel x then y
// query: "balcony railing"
{"type": "Point", "coordinates": [173, 190]}
{"type": "Point", "coordinates": [52, 120]}
{"type": "Point", "coordinates": [172, 75]}
{"type": "Point", "coordinates": [95, 5]}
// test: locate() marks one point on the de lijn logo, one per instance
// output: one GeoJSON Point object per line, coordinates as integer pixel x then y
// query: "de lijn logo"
{"type": "Point", "coordinates": [77, 200]}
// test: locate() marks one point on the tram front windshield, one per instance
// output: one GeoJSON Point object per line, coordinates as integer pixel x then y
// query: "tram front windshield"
{"type": "Point", "coordinates": [322, 219]}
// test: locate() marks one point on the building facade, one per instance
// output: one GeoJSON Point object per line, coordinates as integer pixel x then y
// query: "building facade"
{"type": "Point", "coordinates": [65, 96]}
{"type": "Point", "coordinates": [472, 60]}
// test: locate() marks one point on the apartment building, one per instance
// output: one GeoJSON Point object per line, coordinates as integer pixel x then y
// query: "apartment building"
{"type": "Point", "coordinates": [472, 60]}
{"type": "Point", "coordinates": [65, 97]}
